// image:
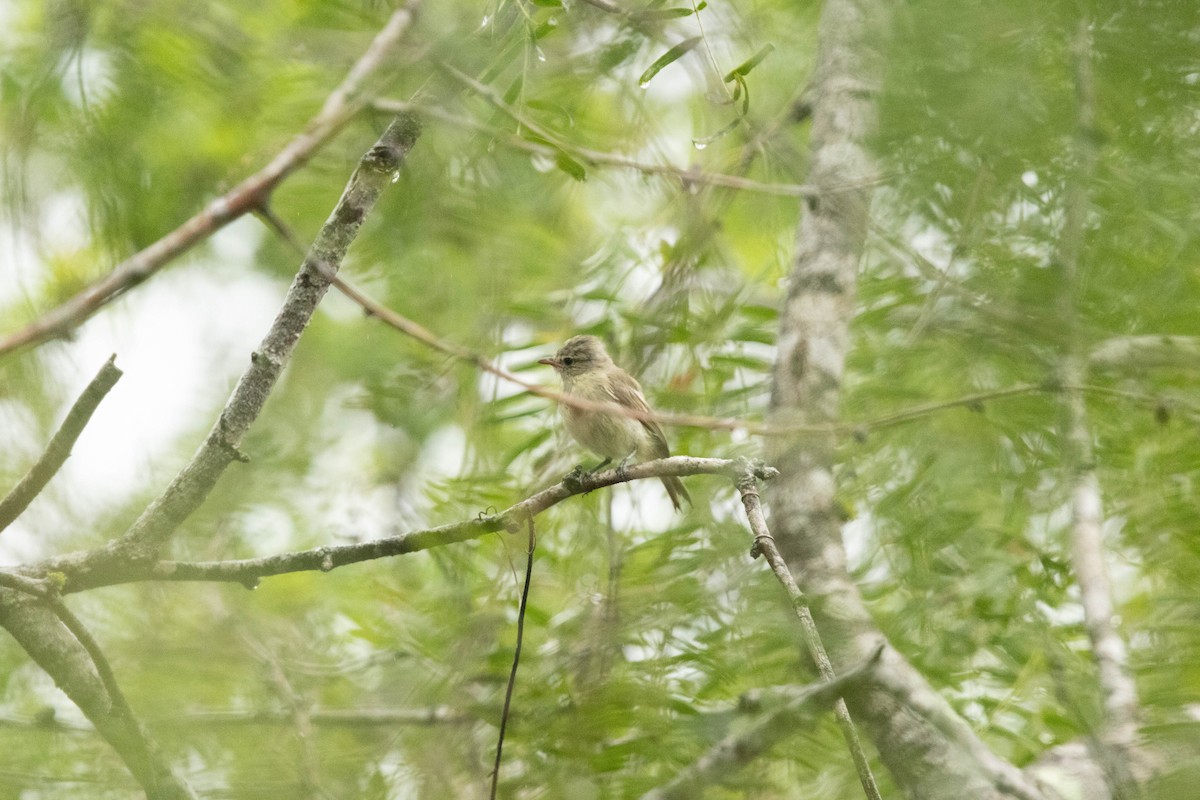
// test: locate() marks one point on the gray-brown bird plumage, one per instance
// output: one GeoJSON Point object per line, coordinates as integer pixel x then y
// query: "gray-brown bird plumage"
{"type": "Point", "coordinates": [589, 373]}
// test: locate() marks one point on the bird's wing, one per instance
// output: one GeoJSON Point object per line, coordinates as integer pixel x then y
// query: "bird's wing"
{"type": "Point", "coordinates": [626, 391]}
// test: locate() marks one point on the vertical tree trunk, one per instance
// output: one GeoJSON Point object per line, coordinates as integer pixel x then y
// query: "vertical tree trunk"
{"type": "Point", "coordinates": [814, 337]}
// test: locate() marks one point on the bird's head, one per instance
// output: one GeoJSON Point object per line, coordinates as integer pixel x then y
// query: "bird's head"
{"type": "Point", "coordinates": [578, 355]}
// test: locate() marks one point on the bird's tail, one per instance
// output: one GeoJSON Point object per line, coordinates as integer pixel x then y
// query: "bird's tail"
{"type": "Point", "coordinates": [676, 490]}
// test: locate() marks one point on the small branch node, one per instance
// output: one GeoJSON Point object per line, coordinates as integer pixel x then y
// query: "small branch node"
{"type": "Point", "coordinates": [326, 559]}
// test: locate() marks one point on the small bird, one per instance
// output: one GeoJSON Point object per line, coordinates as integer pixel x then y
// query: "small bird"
{"type": "Point", "coordinates": [589, 373]}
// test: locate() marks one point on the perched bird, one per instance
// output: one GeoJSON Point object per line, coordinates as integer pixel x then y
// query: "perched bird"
{"type": "Point", "coordinates": [589, 373]}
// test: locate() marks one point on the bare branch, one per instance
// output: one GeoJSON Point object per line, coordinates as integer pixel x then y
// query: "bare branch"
{"type": "Point", "coordinates": [59, 449]}
{"type": "Point", "coordinates": [249, 572]}
{"type": "Point", "coordinates": [220, 448]}
{"type": "Point", "coordinates": [764, 544]}
{"type": "Point", "coordinates": [341, 105]}
{"type": "Point", "coordinates": [737, 750]}
{"type": "Point", "coordinates": [512, 673]}
{"type": "Point", "coordinates": [56, 640]}
{"type": "Point", "coordinates": [109, 710]}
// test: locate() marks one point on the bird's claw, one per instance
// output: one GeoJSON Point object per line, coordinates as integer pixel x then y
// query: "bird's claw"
{"type": "Point", "coordinates": [623, 469]}
{"type": "Point", "coordinates": [573, 480]}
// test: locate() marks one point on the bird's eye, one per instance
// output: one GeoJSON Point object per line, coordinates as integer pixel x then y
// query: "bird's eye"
{"type": "Point", "coordinates": [568, 361]}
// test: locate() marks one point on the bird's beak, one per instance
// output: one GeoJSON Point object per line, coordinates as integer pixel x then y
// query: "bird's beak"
{"type": "Point", "coordinates": [551, 362]}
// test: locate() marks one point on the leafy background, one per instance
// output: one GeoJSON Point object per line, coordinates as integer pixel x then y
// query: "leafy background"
{"type": "Point", "coordinates": [119, 120]}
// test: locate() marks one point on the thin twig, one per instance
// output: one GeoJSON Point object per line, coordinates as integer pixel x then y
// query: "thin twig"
{"type": "Point", "coordinates": [764, 543]}
{"type": "Point", "coordinates": [512, 674]}
{"type": "Point", "coordinates": [687, 176]}
{"type": "Point", "coordinates": [420, 333]}
{"type": "Point", "coordinates": [494, 98]}
{"type": "Point", "coordinates": [99, 660]}
{"type": "Point", "coordinates": [340, 106]}
{"type": "Point", "coordinates": [59, 449]}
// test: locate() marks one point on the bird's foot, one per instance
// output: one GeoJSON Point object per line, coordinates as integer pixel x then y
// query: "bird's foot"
{"type": "Point", "coordinates": [623, 468]}
{"type": "Point", "coordinates": [573, 480]}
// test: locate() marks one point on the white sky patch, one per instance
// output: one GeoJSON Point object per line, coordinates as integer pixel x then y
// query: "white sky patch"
{"type": "Point", "coordinates": [493, 388]}
{"type": "Point", "coordinates": [340, 488]}
{"type": "Point", "coordinates": [643, 507]}
{"type": "Point", "coordinates": [181, 340]}
{"type": "Point", "coordinates": [444, 453]}
{"type": "Point", "coordinates": [87, 78]}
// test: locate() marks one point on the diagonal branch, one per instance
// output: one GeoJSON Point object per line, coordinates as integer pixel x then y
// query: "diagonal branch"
{"type": "Point", "coordinates": [342, 104]}
{"type": "Point", "coordinates": [764, 544]}
{"type": "Point", "coordinates": [738, 750]}
{"type": "Point", "coordinates": [220, 448]}
{"type": "Point", "coordinates": [60, 644]}
{"type": "Point", "coordinates": [59, 449]}
{"type": "Point", "coordinates": [1139, 353]}
{"type": "Point", "coordinates": [52, 639]}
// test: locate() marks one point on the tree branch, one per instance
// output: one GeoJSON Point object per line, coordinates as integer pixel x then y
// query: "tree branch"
{"type": "Point", "coordinates": [764, 544]}
{"type": "Point", "coordinates": [932, 707]}
{"type": "Point", "coordinates": [341, 105]}
{"type": "Point", "coordinates": [220, 448]}
{"type": "Point", "coordinates": [687, 176]}
{"type": "Point", "coordinates": [1118, 735]}
{"type": "Point", "coordinates": [47, 639]}
{"type": "Point", "coordinates": [420, 333]}
{"type": "Point", "coordinates": [59, 449]}
{"type": "Point", "coordinates": [56, 640]}
{"type": "Point", "coordinates": [249, 572]}
{"type": "Point", "coordinates": [814, 338]}
{"type": "Point", "coordinates": [737, 750]}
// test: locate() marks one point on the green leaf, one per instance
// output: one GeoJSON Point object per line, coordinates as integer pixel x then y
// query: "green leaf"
{"type": "Point", "coordinates": [570, 166]}
{"type": "Point", "coordinates": [670, 13]}
{"type": "Point", "coordinates": [744, 68]}
{"type": "Point", "coordinates": [672, 55]}
{"type": "Point", "coordinates": [514, 90]}
{"type": "Point", "coordinates": [546, 28]}
{"type": "Point", "coordinates": [704, 141]}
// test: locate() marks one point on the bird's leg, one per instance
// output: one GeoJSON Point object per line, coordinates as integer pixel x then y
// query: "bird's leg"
{"type": "Point", "coordinates": [623, 467]}
{"type": "Point", "coordinates": [599, 466]}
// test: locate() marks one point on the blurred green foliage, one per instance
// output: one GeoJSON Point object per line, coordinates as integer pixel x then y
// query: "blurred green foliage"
{"type": "Point", "coordinates": [643, 628]}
